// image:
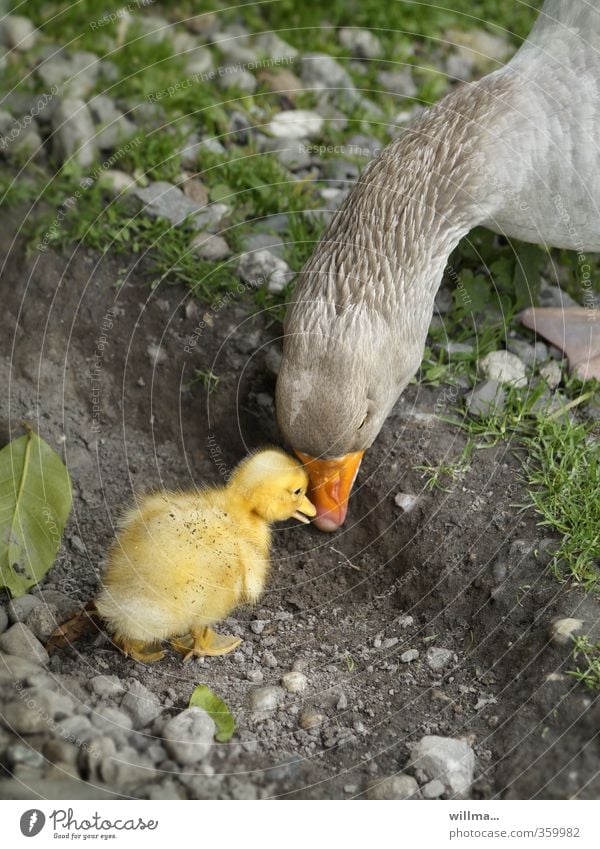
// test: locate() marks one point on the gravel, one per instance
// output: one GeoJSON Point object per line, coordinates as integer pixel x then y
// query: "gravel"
{"type": "Point", "coordinates": [164, 200]}
{"type": "Point", "coordinates": [109, 719]}
{"type": "Point", "coordinates": [210, 247]}
{"type": "Point", "coordinates": [43, 621]}
{"type": "Point", "coordinates": [116, 127]}
{"type": "Point", "coordinates": [17, 32]}
{"type": "Point", "coordinates": [393, 787]}
{"type": "Point", "coordinates": [265, 699]}
{"type": "Point", "coordinates": [409, 656]}
{"type": "Point", "coordinates": [310, 719]}
{"type": "Point", "coordinates": [504, 367]}
{"type": "Point", "coordinates": [360, 42]}
{"type": "Point", "coordinates": [398, 82]}
{"type": "Point", "coordinates": [73, 132]}
{"type": "Point", "coordinates": [433, 789]}
{"type": "Point", "coordinates": [262, 266]}
{"type": "Point", "coordinates": [188, 737]}
{"type": "Point", "coordinates": [19, 640]}
{"type": "Point", "coordinates": [36, 710]}
{"type": "Point", "coordinates": [487, 398]}
{"type": "Point", "coordinates": [450, 761]}
{"type": "Point", "coordinates": [295, 124]}
{"type": "Point", "coordinates": [294, 682]}
{"type": "Point", "coordinates": [20, 608]}
{"type": "Point", "coordinates": [438, 659]}
{"type": "Point", "coordinates": [142, 705]}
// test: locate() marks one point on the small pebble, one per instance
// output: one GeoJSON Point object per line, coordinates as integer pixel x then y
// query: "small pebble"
{"type": "Point", "coordinates": [265, 698]}
{"type": "Point", "coordinates": [309, 719]}
{"type": "Point", "coordinates": [438, 659]}
{"type": "Point", "coordinates": [433, 789]}
{"type": "Point", "coordinates": [409, 655]}
{"type": "Point", "coordinates": [20, 640]}
{"type": "Point", "coordinates": [294, 682]}
{"type": "Point", "coordinates": [562, 631]}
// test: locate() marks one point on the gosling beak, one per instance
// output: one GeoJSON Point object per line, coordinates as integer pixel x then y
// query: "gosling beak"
{"type": "Point", "coordinates": [306, 512]}
{"type": "Point", "coordinates": [330, 485]}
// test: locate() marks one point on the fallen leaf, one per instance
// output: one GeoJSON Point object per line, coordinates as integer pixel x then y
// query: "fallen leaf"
{"type": "Point", "coordinates": [84, 622]}
{"type": "Point", "coordinates": [216, 708]}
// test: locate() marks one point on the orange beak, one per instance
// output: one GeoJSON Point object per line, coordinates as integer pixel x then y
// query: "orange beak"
{"type": "Point", "coordinates": [330, 485]}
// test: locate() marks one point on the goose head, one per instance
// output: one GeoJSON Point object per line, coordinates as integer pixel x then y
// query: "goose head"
{"type": "Point", "coordinates": [342, 371]}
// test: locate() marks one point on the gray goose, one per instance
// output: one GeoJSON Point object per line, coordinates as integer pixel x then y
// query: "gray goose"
{"type": "Point", "coordinates": [516, 152]}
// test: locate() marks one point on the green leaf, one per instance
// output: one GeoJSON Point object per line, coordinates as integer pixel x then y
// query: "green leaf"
{"type": "Point", "coordinates": [35, 501]}
{"type": "Point", "coordinates": [216, 708]}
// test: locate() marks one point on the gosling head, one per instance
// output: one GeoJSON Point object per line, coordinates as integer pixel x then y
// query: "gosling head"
{"type": "Point", "coordinates": [273, 485]}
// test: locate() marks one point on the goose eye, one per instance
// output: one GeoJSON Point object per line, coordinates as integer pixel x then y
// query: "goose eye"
{"type": "Point", "coordinates": [363, 421]}
{"type": "Point", "coordinates": [297, 491]}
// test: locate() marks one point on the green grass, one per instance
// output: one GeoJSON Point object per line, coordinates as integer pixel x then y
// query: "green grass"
{"type": "Point", "coordinates": [587, 656]}
{"type": "Point", "coordinates": [208, 379]}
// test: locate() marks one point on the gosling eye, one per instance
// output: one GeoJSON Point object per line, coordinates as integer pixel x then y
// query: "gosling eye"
{"type": "Point", "coordinates": [297, 491]}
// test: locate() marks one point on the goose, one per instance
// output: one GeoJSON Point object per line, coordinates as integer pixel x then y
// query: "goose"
{"type": "Point", "coordinates": [515, 152]}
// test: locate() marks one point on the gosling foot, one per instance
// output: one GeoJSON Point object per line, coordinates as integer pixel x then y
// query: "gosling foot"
{"type": "Point", "coordinates": [139, 650]}
{"type": "Point", "coordinates": [204, 643]}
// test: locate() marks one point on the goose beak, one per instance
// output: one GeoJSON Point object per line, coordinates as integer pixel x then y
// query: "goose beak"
{"type": "Point", "coordinates": [330, 485]}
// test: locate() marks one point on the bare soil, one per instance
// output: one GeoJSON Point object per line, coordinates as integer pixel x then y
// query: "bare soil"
{"type": "Point", "coordinates": [80, 363]}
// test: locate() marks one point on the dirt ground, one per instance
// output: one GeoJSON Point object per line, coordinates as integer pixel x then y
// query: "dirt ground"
{"type": "Point", "coordinates": [103, 372]}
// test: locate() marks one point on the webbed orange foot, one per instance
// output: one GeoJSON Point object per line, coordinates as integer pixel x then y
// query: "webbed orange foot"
{"type": "Point", "coordinates": [205, 643]}
{"type": "Point", "coordinates": [139, 650]}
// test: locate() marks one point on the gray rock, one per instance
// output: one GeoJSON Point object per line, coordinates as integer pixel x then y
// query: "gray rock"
{"type": "Point", "coordinates": [484, 50]}
{"type": "Point", "coordinates": [263, 266]}
{"type": "Point", "coordinates": [393, 787]}
{"type": "Point", "coordinates": [13, 668]}
{"type": "Point", "coordinates": [487, 399]}
{"type": "Point", "coordinates": [116, 127]}
{"type": "Point", "coordinates": [75, 730]}
{"type": "Point", "coordinates": [3, 620]}
{"type": "Point", "coordinates": [562, 631]}
{"type": "Point", "coordinates": [235, 49]}
{"type": "Point", "coordinates": [142, 705]}
{"type": "Point", "coordinates": [188, 737]}
{"type": "Point", "coordinates": [554, 296]}
{"type": "Point", "coordinates": [438, 659]}
{"type": "Point", "coordinates": [399, 81]}
{"type": "Point", "coordinates": [18, 33]}
{"type": "Point", "coordinates": [65, 604]}
{"type": "Point", "coordinates": [450, 761]}
{"type": "Point", "coordinates": [503, 367]}
{"type": "Point", "coordinates": [43, 621]}
{"type": "Point", "coordinates": [530, 354]}
{"type": "Point", "coordinates": [265, 699]}
{"type": "Point", "coordinates": [126, 768]}
{"type": "Point", "coordinates": [292, 154]}
{"type": "Point", "coordinates": [360, 42]}
{"type": "Point", "coordinates": [268, 658]}
{"type": "Point", "coordinates": [295, 124]}
{"type": "Point", "coordinates": [409, 656]}
{"type": "Point", "coordinates": [278, 222]}
{"type": "Point", "coordinates": [238, 78]}
{"type": "Point", "coordinates": [19, 754]}
{"type": "Point", "coordinates": [20, 608]}
{"type": "Point", "coordinates": [270, 44]}
{"type": "Point", "coordinates": [459, 66]}
{"type": "Point", "coordinates": [36, 710]}
{"type": "Point", "coordinates": [433, 789]}
{"type": "Point", "coordinates": [73, 132]}
{"type": "Point", "coordinates": [107, 686]}
{"type": "Point", "coordinates": [260, 241]}
{"type": "Point", "coordinates": [110, 719]}
{"type": "Point", "coordinates": [406, 501]}
{"type": "Point", "coordinates": [273, 359]}
{"type": "Point", "coordinates": [295, 682]}
{"type": "Point", "coordinates": [255, 675]}
{"type": "Point", "coordinates": [210, 247]}
{"type": "Point", "coordinates": [72, 77]}
{"type": "Point", "coordinates": [20, 641]}
{"type": "Point", "coordinates": [310, 719]}
{"type": "Point", "coordinates": [201, 61]}
{"type": "Point", "coordinates": [116, 182]}
{"type": "Point", "coordinates": [163, 200]}
{"type": "Point", "coordinates": [340, 171]}
{"type": "Point", "coordinates": [552, 374]}
{"type": "Point", "coordinates": [321, 71]}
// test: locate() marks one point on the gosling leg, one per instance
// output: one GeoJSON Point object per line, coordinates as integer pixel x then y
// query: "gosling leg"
{"type": "Point", "coordinates": [204, 642]}
{"type": "Point", "coordinates": [138, 649]}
